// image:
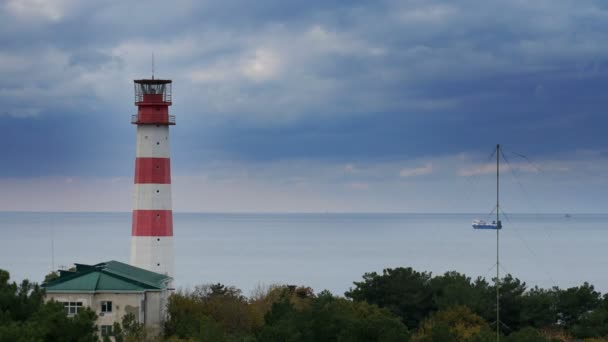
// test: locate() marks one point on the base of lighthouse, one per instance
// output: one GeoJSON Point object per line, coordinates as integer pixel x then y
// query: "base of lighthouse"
{"type": "Point", "coordinates": [154, 253]}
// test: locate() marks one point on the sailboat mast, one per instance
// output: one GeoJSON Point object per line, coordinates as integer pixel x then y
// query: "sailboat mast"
{"type": "Point", "coordinates": [497, 244]}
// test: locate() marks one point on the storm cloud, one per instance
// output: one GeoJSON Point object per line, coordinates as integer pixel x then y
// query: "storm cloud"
{"type": "Point", "coordinates": [391, 85]}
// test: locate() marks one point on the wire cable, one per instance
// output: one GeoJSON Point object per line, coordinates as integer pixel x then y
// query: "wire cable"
{"type": "Point", "coordinates": [530, 250]}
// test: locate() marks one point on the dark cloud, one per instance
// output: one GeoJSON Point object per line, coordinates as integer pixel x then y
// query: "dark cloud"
{"type": "Point", "coordinates": [328, 80]}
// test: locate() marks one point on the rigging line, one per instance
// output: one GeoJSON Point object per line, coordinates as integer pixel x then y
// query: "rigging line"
{"type": "Point", "coordinates": [584, 170]}
{"type": "Point", "coordinates": [488, 271]}
{"type": "Point", "coordinates": [474, 176]}
{"type": "Point", "coordinates": [492, 212]}
{"type": "Point", "coordinates": [518, 181]}
{"type": "Point", "coordinates": [538, 168]}
{"type": "Point", "coordinates": [517, 178]}
{"type": "Point", "coordinates": [506, 326]}
{"type": "Point", "coordinates": [521, 186]}
{"type": "Point", "coordinates": [491, 155]}
{"type": "Point", "coordinates": [525, 243]}
{"type": "Point", "coordinates": [525, 192]}
{"type": "Point", "coordinates": [502, 267]}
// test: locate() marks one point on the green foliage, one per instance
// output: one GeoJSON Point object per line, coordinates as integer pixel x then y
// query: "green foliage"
{"type": "Point", "coordinates": [403, 291]}
{"type": "Point", "coordinates": [528, 334]}
{"type": "Point", "coordinates": [51, 276]}
{"type": "Point", "coordinates": [458, 324]}
{"type": "Point", "coordinates": [578, 311]}
{"type": "Point", "coordinates": [24, 316]}
{"type": "Point", "coordinates": [574, 303]}
{"type": "Point", "coordinates": [210, 309]}
{"type": "Point", "coordinates": [381, 307]}
{"type": "Point", "coordinates": [453, 288]}
{"type": "Point", "coordinates": [592, 324]}
{"type": "Point", "coordinates": [289, 313]}
{"type": "Point", "coordinates": [329, 318]}
{"type": "Point", "coordinates": [539, 308]}
{"type": "Point", "coordinates": [511, 302]}
{"type": "Point", "coordinates": [129, 330]}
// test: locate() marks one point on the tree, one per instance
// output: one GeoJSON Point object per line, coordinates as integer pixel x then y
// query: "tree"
{"type": "Point", "coordinates": [285, 323]}
{"type": "Point", "coordinates": [539, 308]}
{"type": "Point", "coordinates": [511, 297]}
{"type": "Point", "coordinates": [592, 324]}
{"type": "Point", "coordinates": [129, 330]}
{"type": "Point", "coordinates": [24, 316]}
{"type": "Point", "coordinates": [451, 289]}
{"type": "Point", "coordinates": [344, 320]}
{"type": "Point", "coordinates": [574, 303]}
{"type": "Point", "coordinates": [330, 318]}
{"type": "Point", "coordinates": [403, 291]}
{"type": "Point", "coordinates": [454, 289]}
{"type": "Point", "coordinates": [458, 324]}
{"type": "Point", "coordinates": [212, 306]}
{"type": "Point", "coordinates": [51, 276]}
{"type": "Point", "coordinates": [526, 335]}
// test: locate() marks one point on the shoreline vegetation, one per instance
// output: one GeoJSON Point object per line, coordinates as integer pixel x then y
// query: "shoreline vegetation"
{"type": "Point", "coordinates": [399, 304]}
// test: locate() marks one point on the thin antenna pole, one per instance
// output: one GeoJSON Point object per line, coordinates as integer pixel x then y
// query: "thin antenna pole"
{"type": "Point", "coordinates": [497, 244]}
{"type": "Point", "coordinates": [52, 244]}
{"type": "Point", "coordinates": [152, 65]}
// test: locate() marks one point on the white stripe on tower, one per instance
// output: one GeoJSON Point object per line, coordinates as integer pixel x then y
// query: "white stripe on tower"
{"type": "Point", "coordinates": [152, 228]}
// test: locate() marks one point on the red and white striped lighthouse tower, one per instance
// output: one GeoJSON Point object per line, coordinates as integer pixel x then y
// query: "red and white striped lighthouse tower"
{"type": "Point", "coordinates": [152, 229]}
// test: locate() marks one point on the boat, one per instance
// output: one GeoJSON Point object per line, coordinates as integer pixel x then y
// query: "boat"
{"type": "Point", "coordinates": [481, 224]}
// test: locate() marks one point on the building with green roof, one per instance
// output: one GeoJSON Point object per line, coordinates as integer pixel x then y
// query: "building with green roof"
{"type": "Point", "coordinates": [112, 289]}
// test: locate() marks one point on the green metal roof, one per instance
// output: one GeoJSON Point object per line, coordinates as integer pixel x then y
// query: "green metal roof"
{"type": "Point", "coordinates": [106, 277]}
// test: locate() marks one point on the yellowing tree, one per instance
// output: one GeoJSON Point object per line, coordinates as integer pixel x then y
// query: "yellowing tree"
{"type": "Point", "coordinates": [457, 323]}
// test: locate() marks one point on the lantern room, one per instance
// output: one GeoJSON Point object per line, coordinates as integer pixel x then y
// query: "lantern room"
{"type": "Point", "coordinates": [152, 91]}
{"type": "Point", "coordinates": [153, 98]}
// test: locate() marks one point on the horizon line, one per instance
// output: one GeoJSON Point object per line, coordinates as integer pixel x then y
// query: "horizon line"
{"type": "Point", "coordinates": [298, 212]}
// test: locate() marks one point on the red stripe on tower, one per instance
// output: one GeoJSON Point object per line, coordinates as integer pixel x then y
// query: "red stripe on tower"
{"type": "Point", "coordinates": [152, 223]}
{"type": "Point", "coordinates": [152, 171]}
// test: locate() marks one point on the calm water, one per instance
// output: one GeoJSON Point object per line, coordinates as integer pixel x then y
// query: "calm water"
{"type": "Point", "coordinates": [324, 251]}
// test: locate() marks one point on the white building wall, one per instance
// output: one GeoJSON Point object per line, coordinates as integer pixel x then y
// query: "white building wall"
{"type": "Point", "coordinates": [152, 313]}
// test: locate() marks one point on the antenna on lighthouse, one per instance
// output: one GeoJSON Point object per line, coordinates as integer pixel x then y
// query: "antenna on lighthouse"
{"type": "Point", "coordinates": [52, 244]}
{"type": "Point", "coordinates": [152, 65]}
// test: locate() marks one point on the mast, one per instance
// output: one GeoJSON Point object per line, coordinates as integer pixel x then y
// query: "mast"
{"type": "Point", "coordinates": [497, 283]}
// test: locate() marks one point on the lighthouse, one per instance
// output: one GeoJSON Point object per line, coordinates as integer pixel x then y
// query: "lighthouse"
{"type": "Point", "coordinates": [152, 226]}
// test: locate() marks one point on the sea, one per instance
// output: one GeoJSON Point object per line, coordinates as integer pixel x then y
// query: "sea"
{"type": "Point", "coordinates": [326, 251]}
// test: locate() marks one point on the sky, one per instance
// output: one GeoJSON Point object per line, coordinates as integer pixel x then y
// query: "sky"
{"type": "Point", "coordinates": [309, 106]}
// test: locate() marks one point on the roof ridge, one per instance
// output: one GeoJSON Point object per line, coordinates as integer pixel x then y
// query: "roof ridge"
{"type": "Point", "coordinates": [126, 267]}
{"type": "Point", "coordinates": [97, 281]}
{"type": "Point", "coordinates": [127, 278]}
{"type": "Point", "coordinates": [139, 269]}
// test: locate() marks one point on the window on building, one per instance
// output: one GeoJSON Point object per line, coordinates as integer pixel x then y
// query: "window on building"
{"type": "Point", "coordinates": [106, 330]}
{"type": "Point", "coordinates": [71, 308]}
{"type": "Point", "coordinates": [106, 306]}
